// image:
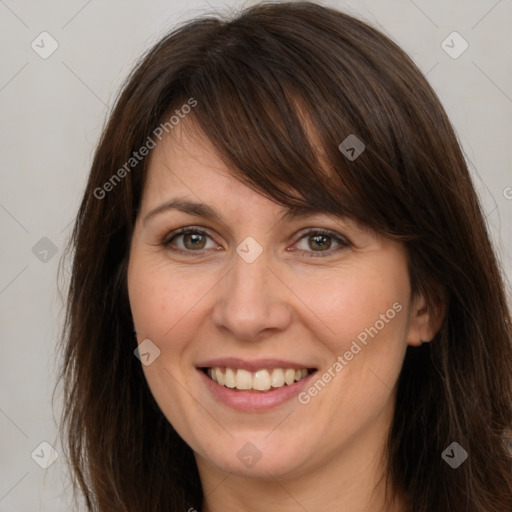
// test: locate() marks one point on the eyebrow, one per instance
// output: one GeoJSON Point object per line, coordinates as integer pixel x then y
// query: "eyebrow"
{"type": "Point", "coordinates": [206, 211]}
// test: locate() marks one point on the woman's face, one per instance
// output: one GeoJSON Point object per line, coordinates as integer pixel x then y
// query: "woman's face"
{"type": "Point", "coordinates": [264, 298]}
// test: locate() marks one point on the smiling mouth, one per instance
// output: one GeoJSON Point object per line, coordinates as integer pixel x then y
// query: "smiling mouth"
{"type": "Point", "coordinates": [264, 380]}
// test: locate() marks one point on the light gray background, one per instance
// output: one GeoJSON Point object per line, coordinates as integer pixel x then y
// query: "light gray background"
{"type": "Point", "coordinates": [52, 111]}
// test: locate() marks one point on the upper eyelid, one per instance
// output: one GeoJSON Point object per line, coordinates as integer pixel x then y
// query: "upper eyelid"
{"type": "Point", "coordinates": [183, 231]}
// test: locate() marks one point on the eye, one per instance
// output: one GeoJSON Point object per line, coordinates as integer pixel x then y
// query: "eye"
{"type": "Point", "coordinates": [314, 243]}
{"type": "Point", "coordinates": [321, 241]}
{"type": "Point", "coordinates": [188, 240]}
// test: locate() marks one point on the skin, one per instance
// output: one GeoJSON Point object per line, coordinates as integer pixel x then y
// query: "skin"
{"type": "Point", "coordinates": [287, 305]}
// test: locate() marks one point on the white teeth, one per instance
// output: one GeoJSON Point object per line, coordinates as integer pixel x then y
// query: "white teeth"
{"type": "Point", "coordinates": [262, 380]}
{"type": "Point", "coordinates": [220, 376]}
{"type": "Point", "coordinates": [229, 378]}
{"type": "Point", "coordinates": [277, 380]}
{"type": "Point", "coordinates": [243, 379]}
{"type": "Point", "coordinates": [289, 376]}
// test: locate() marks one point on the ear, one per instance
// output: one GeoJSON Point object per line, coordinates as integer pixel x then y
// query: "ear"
{"type": "Point", "coordinates": [424, 320]}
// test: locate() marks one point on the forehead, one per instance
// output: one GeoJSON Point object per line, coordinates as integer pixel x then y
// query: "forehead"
{"type": "Point", "coordinates": [185, 162]}
{"type": "Point", "coordinates": [185, 167]}
{"type": "Point", "coordinates": [186, 147]}
{"type": "Point", "coordinates": [187, 175]}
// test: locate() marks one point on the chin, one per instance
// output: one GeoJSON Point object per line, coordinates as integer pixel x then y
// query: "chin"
{"type": "Point", "coordinates": [258, 455]}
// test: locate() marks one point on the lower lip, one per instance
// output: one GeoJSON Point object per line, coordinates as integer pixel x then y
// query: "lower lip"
{"type": "Point", "coordinates": [255, 400]}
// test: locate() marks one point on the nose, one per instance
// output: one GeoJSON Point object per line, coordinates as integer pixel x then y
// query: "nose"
{"type": "Point", "coordinates": [251, 301]}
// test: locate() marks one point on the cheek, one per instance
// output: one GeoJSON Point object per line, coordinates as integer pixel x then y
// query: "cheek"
{"type": "Point", "coordinates": [355, 302]}
{"type": "Point", "coordinates": [167, 303]}
{"type": "Point", "coordinates": [162, 304]}
{"type": "Point", "coordinates": [365, 318]}
{"type": "Point", "coordinates": [159, 296]}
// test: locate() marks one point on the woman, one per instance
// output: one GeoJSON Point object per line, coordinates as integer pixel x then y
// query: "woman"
{"type": "Point", "coordinates": [284, 295]}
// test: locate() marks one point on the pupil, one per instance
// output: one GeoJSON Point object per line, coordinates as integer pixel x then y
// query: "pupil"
{"type": "Point", "coordinates": [321, 239]}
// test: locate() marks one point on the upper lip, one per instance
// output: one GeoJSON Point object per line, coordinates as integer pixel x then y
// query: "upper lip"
{"type": "Point", "coordinates": [252, 365]}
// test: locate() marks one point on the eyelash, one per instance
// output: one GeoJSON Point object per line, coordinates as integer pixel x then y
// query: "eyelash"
{"type": "Point", "coordinates": [343, 244]}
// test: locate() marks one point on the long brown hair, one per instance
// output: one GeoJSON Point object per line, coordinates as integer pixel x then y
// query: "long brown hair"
{"type": "Point", "coordinates": [256, 79]}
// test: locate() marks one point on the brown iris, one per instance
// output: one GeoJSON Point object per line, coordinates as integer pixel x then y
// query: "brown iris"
{"type": "Point", "coordinates": [194, 240]}
{"type": "Point", "coordinates": [321, 241]}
